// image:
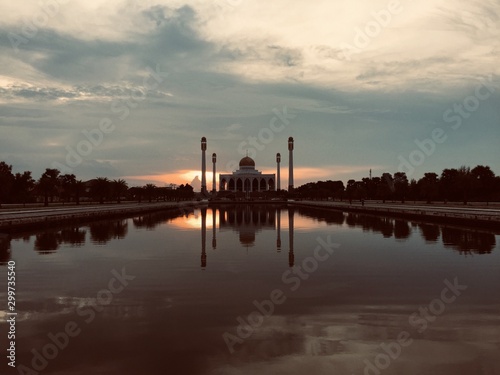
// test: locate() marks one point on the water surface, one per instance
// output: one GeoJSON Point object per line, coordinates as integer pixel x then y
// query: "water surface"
{"type": "Point", "coordinates": [349, 285]}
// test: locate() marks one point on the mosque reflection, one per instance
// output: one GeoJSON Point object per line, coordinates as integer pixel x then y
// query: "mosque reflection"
{"type": "Point", "coordinates": [250, 220]}
{"type": "Point", "coordinates": [247, 221]}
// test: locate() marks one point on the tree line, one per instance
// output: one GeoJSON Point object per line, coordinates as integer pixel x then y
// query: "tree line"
{"type": "Point", "coordinates": [52, 186]}
{"type": "Point", "coordinates": [453, 185]}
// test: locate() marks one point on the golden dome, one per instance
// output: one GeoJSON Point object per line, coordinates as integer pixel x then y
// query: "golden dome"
{"type": "Point", "coordinates": [247, 162]}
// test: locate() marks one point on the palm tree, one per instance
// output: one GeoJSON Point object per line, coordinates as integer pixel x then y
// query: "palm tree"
{"type": "Point", "coordinates": [48, 183]}
{"type": "Point", "coordinates": [100, 188]}
{"type": "Point", "coordinates": [119, 188]}
{"type": "Point", "coordinates": [67, 183]}
{"type": "Point", "coordinates": [150, 191]}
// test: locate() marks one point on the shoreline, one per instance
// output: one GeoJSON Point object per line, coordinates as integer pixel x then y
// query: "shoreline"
{"type": "Point", "coordinates": [21, 220]}
{"type": "Point", "coordinates": [38, 218]}
{"type": "Point", "coordinates": [477, 218]}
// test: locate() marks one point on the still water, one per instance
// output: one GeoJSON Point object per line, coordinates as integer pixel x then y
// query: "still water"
{"type": "Point", "coordinates": [242, 290]}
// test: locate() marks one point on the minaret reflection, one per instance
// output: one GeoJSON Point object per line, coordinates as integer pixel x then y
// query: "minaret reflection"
{"type": "Point", "coordinates": [278, 229]}
{"type": "Point", "coordinates": [214, 240]}
{"type": "Point", "coordinates": [291, 256]}
{"type": "Point", "coordinates": [247, 220]}
{"type": "Point", "coordinates": [203, 237]}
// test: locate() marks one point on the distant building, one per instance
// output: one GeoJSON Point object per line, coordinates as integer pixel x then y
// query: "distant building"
{"type": "Point", "coordinates": [247, 179]}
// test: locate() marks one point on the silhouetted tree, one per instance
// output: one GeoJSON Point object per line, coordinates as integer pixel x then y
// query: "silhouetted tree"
{"type": "Point", "coordinates": [150, 190]}
{"type": "Point", "coordinates": [100, 189]}
{"type": "Point", "coordinates": [67, 184]}
{"type": "Point", "coordinates": [119, 188]}
{"type": "Point", "coordinates": [449, 184]}
{"type": "Point", "coordinates": [400, 186]}
{"type": "Point", "coordinates": [136, 193]}
{"type": "Point", "coordinates": [48, 184]}
{"type": "Point", "coordinates": [79, 187]}
{"type": "Point", "coordinates": [483, 181]}
{"type": "Point", "coordinates": [428, 186]}
{"type": "Point", "coordinates": [185, 192]}
{"type": "Point", "coordinates": [414, 190]}
{"type": "Point", "coordinates": [465, 181]}
{"type": "Point", "coordinates": [6, 181]}
{"type": "Point", "coordinates": [22, 187]}
{"type": "Point", "coordinates": [385, 187]}
{"type": "Point", "coordinates": [349, 190]}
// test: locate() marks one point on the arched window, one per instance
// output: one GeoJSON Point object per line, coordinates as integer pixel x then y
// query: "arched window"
{"type": "Point", "coordinates": [255, 184]}
{"type": "Point", "coordinates": [239, 185]}
{"type": "Point", "coordinates": [231, 186]}
{"type": "Point", "coordinates": [263, 185]}
{"type": "Point", "coordinates": [247, 184]}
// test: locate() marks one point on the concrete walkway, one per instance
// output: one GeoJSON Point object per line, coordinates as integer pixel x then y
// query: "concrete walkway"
{"type": "Point", "coordinates": [22, 218]}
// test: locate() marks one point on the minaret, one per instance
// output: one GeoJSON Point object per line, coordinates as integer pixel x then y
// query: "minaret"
{"type": "Point", "coordinates": [203, 237]}
{"type": "Point", "coordinates": [214, 160]}
{"type": "Point", "coordinates": [214, 228]}
{"type": "Point", "coordinates": [290, 164]}
{"type": "Point", "coordinates": [278, 239]}
{"type": "Point", "coordinates": [291, 255]}
{"type": "Point", "coordinates": [203, 165]}
{"type": "Point", "coordinates": [278, 161]}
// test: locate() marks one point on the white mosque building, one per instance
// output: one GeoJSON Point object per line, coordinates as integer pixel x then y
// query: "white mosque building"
{"type": "Point", "coordinates": [246, 179]}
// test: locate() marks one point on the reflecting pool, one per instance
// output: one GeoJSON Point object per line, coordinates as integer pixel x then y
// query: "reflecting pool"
{"type": "Point", "coordinates": [254, 289]}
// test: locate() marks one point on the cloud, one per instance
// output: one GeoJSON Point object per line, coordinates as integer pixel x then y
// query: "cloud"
{"type": "Point", "coordinates": [229, 65]}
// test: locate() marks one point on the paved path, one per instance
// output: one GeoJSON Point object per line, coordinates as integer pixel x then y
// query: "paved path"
{"type": "Point", "coordinates": [15, 218]}
{"type": "Point", "coordinates": [47, 211]}
{"type": "Point", "coordinates": [480, 217]}
{"type": "Point", "coordinates": [427, 208]}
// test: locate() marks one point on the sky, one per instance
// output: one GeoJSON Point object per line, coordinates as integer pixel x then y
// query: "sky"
{"type": "Point", "coordinates": [126, 89]}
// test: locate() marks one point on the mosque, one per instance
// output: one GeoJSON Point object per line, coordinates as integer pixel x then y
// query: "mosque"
{"type": "Point", "coordinates": [246, 179]}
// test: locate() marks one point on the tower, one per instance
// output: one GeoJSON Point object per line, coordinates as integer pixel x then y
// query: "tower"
{"type": "Point", "coordinates": [291, 255]}
{"type": "Point", "coordinates": [203, 237]}
{"type": "Point", "coordinates": [214, 160]}
{"type": "Point", "coordinates": [278, 161]}
{"type": "Point", "coordinates": [214, 228]}
{"type": "Point", "coordinates": [290, 164]}
{"type": "Point", "coordinates": [278, 230]}
{"type": "Point", "coordinates": [203, 165]}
